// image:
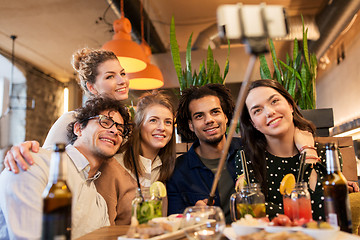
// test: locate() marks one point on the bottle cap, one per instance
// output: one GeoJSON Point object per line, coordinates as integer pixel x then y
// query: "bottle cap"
{"type": "Point", "coordinates": [59, 147]}
{"type": "Point", "coordinates": [330, 146]}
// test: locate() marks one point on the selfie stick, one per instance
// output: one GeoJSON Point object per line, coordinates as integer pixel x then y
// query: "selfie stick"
{"type": "Point", "coordinates": [238, 108]}
{"type": "Point", "coordinates": [256, 46]}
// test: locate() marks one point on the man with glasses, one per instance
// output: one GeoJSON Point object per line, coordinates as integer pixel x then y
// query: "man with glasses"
{"type": "Point", "coordinates": [96, 135]}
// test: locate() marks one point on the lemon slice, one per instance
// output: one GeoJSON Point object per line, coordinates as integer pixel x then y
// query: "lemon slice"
{"type": "Point", "coordinates": [158, 189]}
{"type": "Point", "coordinates": [240, 183]}
{"type": "Point", "coordinates": [287, 184]}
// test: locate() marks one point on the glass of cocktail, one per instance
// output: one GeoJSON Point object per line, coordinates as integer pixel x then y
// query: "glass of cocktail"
{"type": "Point", "coordinates": [149, 205]}
{"type": "Point", "coordinates": [297, 204]}
{"type": "Point", "coordinates": [249, 200]}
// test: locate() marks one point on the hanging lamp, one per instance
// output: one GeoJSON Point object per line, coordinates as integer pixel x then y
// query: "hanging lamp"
{"type": "Point", "coordinates": [131, 56]}
{"type": "Point", "coordinates": [151, 77]}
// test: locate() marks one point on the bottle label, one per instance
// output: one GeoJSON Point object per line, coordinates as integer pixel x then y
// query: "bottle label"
{"type": "Point", "coordinates": [60, 237]}
{"type": "Point", "coordinates": [331, 215]}
{"type": "Point", "coordinates": [332, 219]}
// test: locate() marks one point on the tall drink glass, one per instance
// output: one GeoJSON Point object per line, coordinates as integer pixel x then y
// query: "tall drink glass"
{"type": "Point", "coordinates": [297, 205]}
{"type": "Point", "coordinates": [249, 200]}
{"type": "Point", "coordinates": [148, 208]}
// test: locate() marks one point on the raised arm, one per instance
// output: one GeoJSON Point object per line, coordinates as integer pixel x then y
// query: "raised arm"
{"type": "Point", "coordinates": [20, 155]}
{"type": "Point", "coordinates": [304, 142]}
{"type": "Point", "coordinates": [58, 132]}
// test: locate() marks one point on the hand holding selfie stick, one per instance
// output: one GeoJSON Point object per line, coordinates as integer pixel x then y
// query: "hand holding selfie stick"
{"type": "Point", "coordinates": [256, 45]}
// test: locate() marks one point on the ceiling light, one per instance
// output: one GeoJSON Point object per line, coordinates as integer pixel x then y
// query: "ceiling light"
{"type": "Point", "coordinates": [131, 56]}
{"type": "Point", "coordinates": [150, 78]}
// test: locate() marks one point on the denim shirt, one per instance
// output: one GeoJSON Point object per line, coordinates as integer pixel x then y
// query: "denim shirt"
{"type": "Point", "coordinates": [192, 180]}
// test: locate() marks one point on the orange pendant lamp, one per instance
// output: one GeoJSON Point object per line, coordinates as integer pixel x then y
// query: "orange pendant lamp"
{"type": "Point", "coordinates": [131, 56]}
{"type": "Point", "coordinates": [151, 77]}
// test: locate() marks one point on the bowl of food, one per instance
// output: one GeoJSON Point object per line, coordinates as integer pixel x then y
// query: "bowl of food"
{"type": "Point", "coordinates": [167, 223]}
{"type": "Point", "coordinates": [248, 225]}
{"type": "Point", "coordinates": [321, 230]}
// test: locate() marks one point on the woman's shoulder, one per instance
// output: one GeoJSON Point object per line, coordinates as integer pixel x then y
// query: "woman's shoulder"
{"type": "Point", "coordinates": [66, 118]}
{"type": "Point", "coordinates": [119, 157]}
{"type": "Point", "coordinates": [113, 169]}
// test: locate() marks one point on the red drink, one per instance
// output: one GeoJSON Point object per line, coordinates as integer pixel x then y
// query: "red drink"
{"type": "Point", "coordinates": [297, 205]}
{"type": "Point", "coordinates": [305, 208]}
{"type": "Point", "coordinates": [291, 208]}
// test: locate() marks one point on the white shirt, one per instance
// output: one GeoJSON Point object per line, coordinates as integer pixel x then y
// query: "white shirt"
{"type": "Point", "coordinates": [21, 198]}
{"type": "Point", "coordinates": [151, 169]}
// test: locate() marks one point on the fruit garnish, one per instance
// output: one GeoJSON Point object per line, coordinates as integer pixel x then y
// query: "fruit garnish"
{"type": "Point", "coordinates": [281, 220]}
{"type": "Point", "coordinates": [287, 184]}
{"type": "Point", "coordinates": [318, 225]}
{"type": "Point", "coordinates": [240, 183]}
{"type": "Point", "coordinates": [325, 225]}
{"type": "Point", "coordinates": [311, 224]}
{"type": "Point", "coordinates": [158, 189]}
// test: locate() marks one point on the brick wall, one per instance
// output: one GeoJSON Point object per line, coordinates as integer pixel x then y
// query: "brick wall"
{"type": "Point", "coordinates": [48, 95]}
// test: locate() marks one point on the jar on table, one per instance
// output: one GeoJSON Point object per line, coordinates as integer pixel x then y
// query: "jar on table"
{"type": "Point", "coordinates": [248, 200]}
{"type": "Point", "coordinates": [297, 205]}
{"type": "Point", "coordinates": [146, 206]}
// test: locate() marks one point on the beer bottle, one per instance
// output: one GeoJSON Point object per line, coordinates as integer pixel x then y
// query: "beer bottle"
{"type": "Point", "coordinates": [336, 198]}
{"type": "Point", "coordinates": [56, 223]}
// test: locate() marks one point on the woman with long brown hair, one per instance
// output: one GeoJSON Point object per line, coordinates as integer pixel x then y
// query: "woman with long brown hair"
{"type": "Point", "coordinates": [274, 134]}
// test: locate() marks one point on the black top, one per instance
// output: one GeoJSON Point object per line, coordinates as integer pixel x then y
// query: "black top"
{"type": "Point", "coordinates": [277, 168]}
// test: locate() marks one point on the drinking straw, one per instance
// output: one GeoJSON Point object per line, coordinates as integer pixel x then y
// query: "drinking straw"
{"type": "Point", "coordinates": [136, 172]}
{"type": "Point", "coordinates": [302, 167]}
{"type": "Point", "coordinates": [234, 122]}
{"type": "Point", "coordinates": [244, 166]}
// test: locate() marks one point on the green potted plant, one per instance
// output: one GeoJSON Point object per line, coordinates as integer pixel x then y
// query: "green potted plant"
{"type": "Point", "coordinates": [187, 78]}
{"type": "Point", "coordinates": [209, 74]}
{"type": "Point", "coordinates": [298, 75]}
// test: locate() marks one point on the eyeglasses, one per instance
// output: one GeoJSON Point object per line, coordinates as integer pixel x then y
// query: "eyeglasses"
{"type": "Point", "coordinates": [106, 122]}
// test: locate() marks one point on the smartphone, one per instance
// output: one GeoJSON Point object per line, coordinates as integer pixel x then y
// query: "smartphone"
{"type": "Point", "coordinates": [238, 21]}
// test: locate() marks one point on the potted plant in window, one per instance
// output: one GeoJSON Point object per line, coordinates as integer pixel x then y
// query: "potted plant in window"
{"type": "Point", "coordinates": [298, 75]}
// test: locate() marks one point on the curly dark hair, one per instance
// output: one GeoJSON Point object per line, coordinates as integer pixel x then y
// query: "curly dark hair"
{"type": "Point", "coordinates": [94, 106]}
{"type": "Point", "coordinates": [255, 141]}
{"type": "Point", "coordinates": [183, 114]}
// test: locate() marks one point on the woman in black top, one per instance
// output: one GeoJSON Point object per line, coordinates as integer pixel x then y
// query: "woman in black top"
{"type": "Point", "coordinates": [274, 134]}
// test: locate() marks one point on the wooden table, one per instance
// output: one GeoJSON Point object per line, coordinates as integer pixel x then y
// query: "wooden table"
{"type": "Point", "coordinates": [106, 233]}
{"type": "Point", "coordinates": [113, 232]}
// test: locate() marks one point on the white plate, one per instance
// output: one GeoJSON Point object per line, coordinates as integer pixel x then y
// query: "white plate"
{"type": "Point", "coordinates": [241, 230]}
{"type": "Point", "coordinates": [274, 229]}
{"type": "Point", "coordinates": [320, 234]}
{"type": "Point", "coordinates": [167, 236]}
{"type": "Point", "coordinates": [230, 234]}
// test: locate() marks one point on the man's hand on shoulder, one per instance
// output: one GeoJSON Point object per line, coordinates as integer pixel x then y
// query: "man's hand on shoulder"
{"type": "Point", "coordinates": [21, 155]}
